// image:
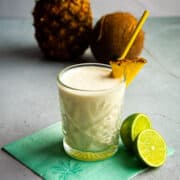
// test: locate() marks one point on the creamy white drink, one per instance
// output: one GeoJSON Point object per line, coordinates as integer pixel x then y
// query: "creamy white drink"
{"type": "Point", "coordinates": [91, 104]}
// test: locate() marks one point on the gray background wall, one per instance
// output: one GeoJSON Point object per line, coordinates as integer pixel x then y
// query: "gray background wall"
{"type": "Point", "coordinates": [23, 8]}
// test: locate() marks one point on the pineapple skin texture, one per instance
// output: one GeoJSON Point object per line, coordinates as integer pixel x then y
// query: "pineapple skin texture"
{"type": "Point", "coordinates": [63, 27]}
{"type": "Point", "coordinates": [112, 33]}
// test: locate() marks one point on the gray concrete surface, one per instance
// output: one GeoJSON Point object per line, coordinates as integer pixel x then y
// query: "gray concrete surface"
{"type": "Point", "coordinates": [23, 8]}
{"type": "Point", "coordinates": [29, 100]}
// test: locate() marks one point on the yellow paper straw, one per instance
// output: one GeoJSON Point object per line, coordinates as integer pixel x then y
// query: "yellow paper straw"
{"type": "Point", "coordinates": [135, 33]}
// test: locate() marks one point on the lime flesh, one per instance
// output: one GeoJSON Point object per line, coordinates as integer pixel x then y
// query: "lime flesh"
{"type": "Point", "coordinates": [151, 148]}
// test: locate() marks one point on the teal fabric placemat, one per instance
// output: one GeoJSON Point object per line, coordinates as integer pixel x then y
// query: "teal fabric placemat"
{"type": "Point", "coordinates": [43, 153]}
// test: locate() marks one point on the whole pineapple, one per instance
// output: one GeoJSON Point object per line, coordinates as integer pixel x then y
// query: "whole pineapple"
{"type": "Point", "coordinates": [63, 27]}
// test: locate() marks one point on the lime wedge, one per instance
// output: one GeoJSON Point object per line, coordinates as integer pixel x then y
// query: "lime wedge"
{"type": "Point", "coordinates": [151, 148]}
{"type": "Point", "coordinates": [132, 126]}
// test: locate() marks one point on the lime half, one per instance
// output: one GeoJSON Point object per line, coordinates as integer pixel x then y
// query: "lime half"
{"type": "Point", "coordinates": [132, 126]}
{"type": "Point", "coordinates": [151, 148]}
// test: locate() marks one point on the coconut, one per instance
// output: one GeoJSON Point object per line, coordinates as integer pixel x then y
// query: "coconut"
{"type": "Point", "coordinates": [111, 35]}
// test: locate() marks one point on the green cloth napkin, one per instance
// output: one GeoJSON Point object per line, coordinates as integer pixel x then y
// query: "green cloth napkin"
{"type": "Point", "coordinates": [43, 153]}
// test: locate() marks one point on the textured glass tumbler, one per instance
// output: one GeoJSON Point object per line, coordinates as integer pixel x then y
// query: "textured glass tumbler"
{"type": "Point", "coordinates": [91, 119]}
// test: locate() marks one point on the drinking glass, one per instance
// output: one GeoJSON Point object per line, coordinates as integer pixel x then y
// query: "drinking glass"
{"type": "Point", "coordinates": [91, 119]}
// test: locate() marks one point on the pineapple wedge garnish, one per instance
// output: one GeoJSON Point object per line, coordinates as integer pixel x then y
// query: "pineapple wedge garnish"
{"type": "Point", "coordinates": [127, 68]}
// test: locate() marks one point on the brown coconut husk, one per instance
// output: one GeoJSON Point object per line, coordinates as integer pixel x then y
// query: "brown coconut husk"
{"type": "Point", "coordinates": [111, 35]}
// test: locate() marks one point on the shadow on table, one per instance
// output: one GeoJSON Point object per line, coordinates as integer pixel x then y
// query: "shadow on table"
{"type": "Point", "coordinates": [22, 52]}
{"type": "Point", "coordinates": [33, 52]}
